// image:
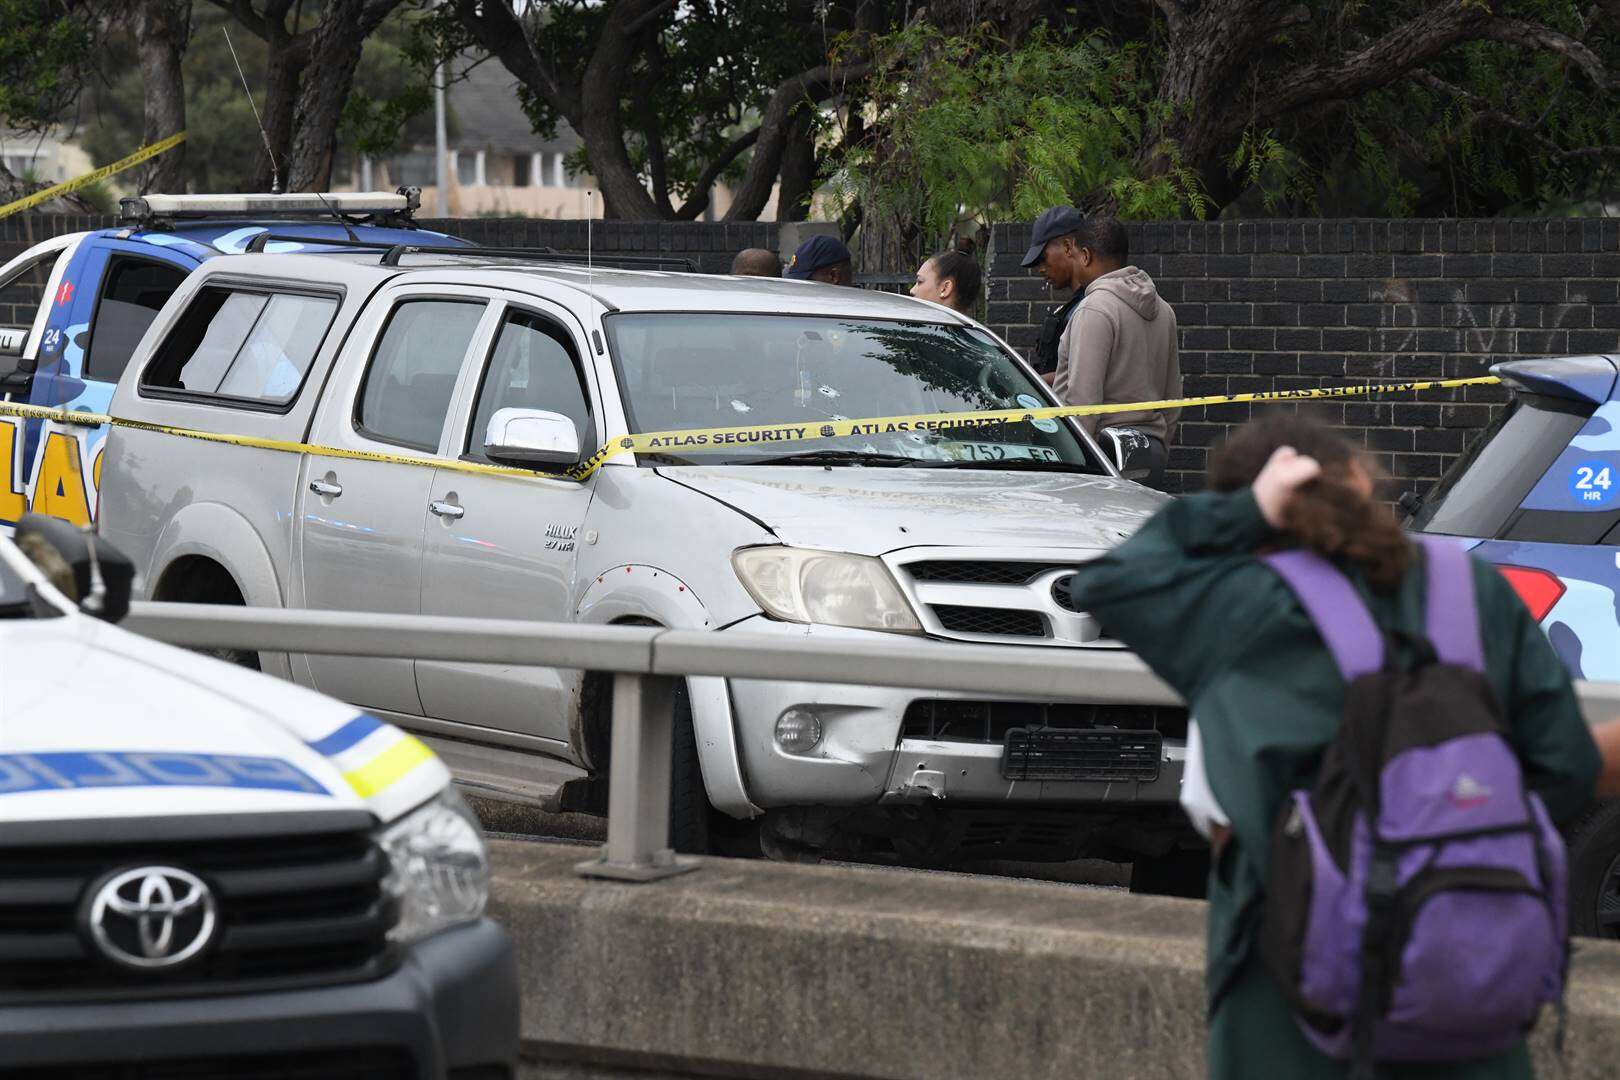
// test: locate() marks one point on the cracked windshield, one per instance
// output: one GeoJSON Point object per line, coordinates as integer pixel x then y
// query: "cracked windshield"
{"type": "Point", "coordinates": [694, 372]}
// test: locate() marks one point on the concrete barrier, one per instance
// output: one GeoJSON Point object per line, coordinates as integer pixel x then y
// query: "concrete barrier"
{"type": "Point", "coordinates": [756, 969]}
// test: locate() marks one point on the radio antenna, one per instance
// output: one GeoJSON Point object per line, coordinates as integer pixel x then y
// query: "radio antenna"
{"type": "Point", "coordinates": [275, 175]}
{"type": "Point", "coordinates": [590, 259]}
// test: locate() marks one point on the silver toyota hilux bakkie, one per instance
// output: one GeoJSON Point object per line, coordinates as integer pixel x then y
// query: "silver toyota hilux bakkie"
{"type": "Point", "coordinates": [953, 535]}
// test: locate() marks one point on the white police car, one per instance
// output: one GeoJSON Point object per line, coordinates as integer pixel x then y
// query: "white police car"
{"type": "Point", "coordinates": [206, 871]}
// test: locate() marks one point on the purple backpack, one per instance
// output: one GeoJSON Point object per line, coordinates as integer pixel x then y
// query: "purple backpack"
{"type": "Point", "coordinates": [1415, 901]}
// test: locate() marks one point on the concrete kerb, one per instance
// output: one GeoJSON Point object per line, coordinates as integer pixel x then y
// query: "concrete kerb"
{"type": "Point", "coordinates": [751, 969]}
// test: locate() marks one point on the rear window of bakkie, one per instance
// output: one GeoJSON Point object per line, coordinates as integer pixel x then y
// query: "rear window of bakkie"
{"type": "Point", "coordinates": [240, 344]}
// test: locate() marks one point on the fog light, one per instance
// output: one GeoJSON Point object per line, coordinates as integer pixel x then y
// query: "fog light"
{"type": "Point", "coordinates": [798, 731]}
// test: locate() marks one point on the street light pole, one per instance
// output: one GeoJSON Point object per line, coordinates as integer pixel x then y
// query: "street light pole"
{"type": "Point", "coordinates": [441, 149]}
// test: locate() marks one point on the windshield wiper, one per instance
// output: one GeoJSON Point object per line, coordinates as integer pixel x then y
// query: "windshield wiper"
{"type": "Point", "coordinates": [833, 457]}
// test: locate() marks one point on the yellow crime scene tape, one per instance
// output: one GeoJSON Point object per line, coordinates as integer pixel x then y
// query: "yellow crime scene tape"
{"type": "Point", "coordinates": [701, 439]}
{"type": "Point", "coordinates": [151, 150]}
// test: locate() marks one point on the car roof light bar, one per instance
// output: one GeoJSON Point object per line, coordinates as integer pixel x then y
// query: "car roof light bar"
{"type": "Point", "coordinates": [573, 258]}
{"type": "Point", "coordinates": [141, 208]}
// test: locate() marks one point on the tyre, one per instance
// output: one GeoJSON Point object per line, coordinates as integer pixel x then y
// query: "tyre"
{"type": "Point", "coordinates": [689, 809]}
{"type": "Point", "coordinates": [1182, 872]}
{"type": "Point", "coordinates": [1593, 842]}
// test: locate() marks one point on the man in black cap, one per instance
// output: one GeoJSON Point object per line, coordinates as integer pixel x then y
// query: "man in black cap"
{"type": "Point", "coordinates": [1119, 343]}
{"type": "Point", "coordinates": [824, 259]}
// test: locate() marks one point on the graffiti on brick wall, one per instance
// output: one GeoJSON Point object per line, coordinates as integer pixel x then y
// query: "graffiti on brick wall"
{"type": "Point", "coordinates": [1485, 329]}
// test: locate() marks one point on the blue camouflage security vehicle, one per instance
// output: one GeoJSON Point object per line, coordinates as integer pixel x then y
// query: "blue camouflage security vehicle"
{"type": "Point", "coordinates": [73, 308]}
{"type": "Point", "coordinates": [1538, 494]}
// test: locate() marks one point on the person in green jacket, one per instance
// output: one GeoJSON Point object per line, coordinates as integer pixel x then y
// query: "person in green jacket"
{"type": "Point", "coordinates": [1188, 594]}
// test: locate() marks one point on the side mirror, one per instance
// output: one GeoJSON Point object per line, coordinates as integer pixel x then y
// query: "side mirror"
{"type": "Point", "coordinates": [531, 437]}
{"type": "Point", "coordinates": [84, 567]}
{"type": "Point", "coordinates": [1131, 451]}
{"type": "Point", "coordinates": [1409, 504]}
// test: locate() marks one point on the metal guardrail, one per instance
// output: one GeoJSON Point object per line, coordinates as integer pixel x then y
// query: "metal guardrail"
{"type": "Point", "coordinates": [645, 662]}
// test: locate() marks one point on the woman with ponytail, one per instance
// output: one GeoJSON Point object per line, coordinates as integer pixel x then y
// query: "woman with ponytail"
{"type": "Point", "coordinates": [951, 278]}
{"type": "Point", "coordinates": [1190, 594]}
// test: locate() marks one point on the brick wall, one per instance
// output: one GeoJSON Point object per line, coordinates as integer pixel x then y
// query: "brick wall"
{"type": "Point", "coordinates": [1282, 305]}
{"type": "Point", "coordinates": [710, 246]}
{"type": "Point", "coordinates": [1263, 305]}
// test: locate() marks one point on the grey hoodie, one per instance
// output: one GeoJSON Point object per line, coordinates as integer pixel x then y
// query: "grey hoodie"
{"type": "Point", "coordinates": [1121, 346]}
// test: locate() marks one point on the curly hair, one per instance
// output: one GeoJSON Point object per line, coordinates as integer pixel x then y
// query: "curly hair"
{"type": "Point", "coordinates": [1329, 514]}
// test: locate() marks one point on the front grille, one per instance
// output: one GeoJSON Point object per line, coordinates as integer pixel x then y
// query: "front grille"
{"type": "Point", "coordinates": [309, 905]}
{"type": "Point", "coordinates": [1003, 622]}
{"type": "Point", "coordinates": [945, 720]}
{"type": "Point", "coordinates": [995, 598]}
{"type": "Point", "coordinates": [341, 1063]}
{"type": "Point", "coordinates": [978, 571]}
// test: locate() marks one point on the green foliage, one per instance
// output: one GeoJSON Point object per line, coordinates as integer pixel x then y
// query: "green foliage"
{"type": "Point", "coordinates": [393, 92]}
{"type": "Point", "coordinates": [47, 50]}
{"type": "Point", "coordinates": [703, 79]}
{"type": "Point", "coordinates": [221, 132]}
{"type": "Point", "coordinates": [966, 128]}
{"type": "Point", "coordinates": [1483, 128]}
{"type": "Point", "coordinates": [385, 110]}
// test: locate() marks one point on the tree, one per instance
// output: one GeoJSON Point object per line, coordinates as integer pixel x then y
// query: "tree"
{"type": "Point", "coordinates": [1237, 69]}
{"type": "Point", "coordinates": [667, 106]}
{"type": "Point", "coordinates": [48, 51]}
{"type": "Point", "coordinates": [1182, 108]}
{"type": "Point", "coordinates": [301, 114]}
{"type": "Point", "coordinates": [161, 29]}
{"type": "Point", "coordinates": [383, 107]}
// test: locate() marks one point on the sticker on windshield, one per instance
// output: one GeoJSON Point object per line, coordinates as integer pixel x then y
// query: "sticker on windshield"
{"type": "Point", "coordinates": [1592, 483]}
{"type": "Point", "coordinates": [1030, 401]}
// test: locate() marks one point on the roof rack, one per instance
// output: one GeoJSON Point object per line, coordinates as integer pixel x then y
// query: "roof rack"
{"type": "Point", "coordinates": [396, 205]}
{"type": "Point", "coordinates": [624, 262]}
{"type": "Point", "coordinates": [392, 252]}
{"type": "Point", "coordinates": [258, 241]}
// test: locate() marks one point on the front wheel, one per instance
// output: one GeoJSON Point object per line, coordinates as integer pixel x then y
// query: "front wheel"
{"type": "Point", "coordinates": [1593, 843]}
{"type": "Point", "coordinates": [689, 808]}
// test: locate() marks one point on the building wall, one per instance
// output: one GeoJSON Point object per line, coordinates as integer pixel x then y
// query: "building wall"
{"type": "Point", "coordinates": [1262, 305]}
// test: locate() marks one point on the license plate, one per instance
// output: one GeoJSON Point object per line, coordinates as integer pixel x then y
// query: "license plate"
{"type": "Point", "coordinates": [1081, 754]}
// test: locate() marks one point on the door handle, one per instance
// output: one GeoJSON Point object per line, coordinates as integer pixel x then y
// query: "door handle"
{"type": "Point", "coordinates": [326, 488]}
{"type": "Point", "coordinates": [446, 509]}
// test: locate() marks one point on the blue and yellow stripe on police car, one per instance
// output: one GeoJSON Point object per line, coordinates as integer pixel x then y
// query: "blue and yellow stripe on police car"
{"type": "Point", "coordinates": [372, 756]}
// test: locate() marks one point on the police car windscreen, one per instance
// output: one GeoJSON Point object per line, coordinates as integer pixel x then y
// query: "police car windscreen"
{"type": "Point", "coordinates": [700, 371]}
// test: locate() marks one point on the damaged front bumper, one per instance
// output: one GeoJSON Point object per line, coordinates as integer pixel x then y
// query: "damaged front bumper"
{"type": "Point", "coordinates": [897, 746]}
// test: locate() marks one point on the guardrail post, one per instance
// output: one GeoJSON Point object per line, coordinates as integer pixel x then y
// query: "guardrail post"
{"type": "Point", "coordinates": [638, 784]}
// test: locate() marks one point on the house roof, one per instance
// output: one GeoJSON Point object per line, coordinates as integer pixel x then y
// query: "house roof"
{"type": "Point", "coordinates": [489, 116]}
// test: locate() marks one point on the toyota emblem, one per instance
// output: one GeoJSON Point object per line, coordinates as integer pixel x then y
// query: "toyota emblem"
{"type": "Point", "coordinates": [151, 917]}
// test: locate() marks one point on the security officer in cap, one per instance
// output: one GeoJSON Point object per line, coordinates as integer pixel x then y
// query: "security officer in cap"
{"type": "Point", "coordinates": [824, 259]}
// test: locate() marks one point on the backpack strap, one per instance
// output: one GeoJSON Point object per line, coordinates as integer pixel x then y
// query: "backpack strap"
{"type": "Point", "coordinates": [1335, 607]}
{"type": "Point", "coordinates": [1451, 610]}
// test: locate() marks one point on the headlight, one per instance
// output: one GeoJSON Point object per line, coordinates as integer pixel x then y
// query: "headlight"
{"type": "Point", "coordinates": [829, 587]}
{"type": "Point", "coordinates": [440, 871]}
